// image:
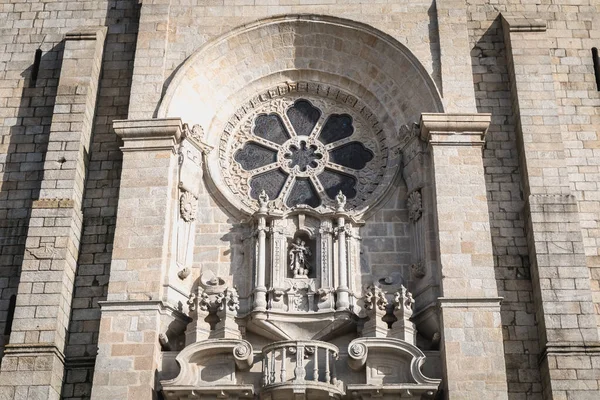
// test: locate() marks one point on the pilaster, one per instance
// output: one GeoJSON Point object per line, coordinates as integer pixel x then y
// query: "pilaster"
{"type": "Point", "coordinates": [471, 330]}
{"type": "Point", "coordinates": [455, 56]}
{"type": "Point", "coordinates": [150, 57]}
{"type": "Point", "coordinates": [33, 364]}
{"type": "Point", "coordinates": [561, 281]}
{"type": "Point", "coordinates": [144, 251]}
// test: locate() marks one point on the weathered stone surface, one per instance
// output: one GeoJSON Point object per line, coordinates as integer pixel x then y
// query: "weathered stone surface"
{"type": "Point", "coordinates": [132, 215]}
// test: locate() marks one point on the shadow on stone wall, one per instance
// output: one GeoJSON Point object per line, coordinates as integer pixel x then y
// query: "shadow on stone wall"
{"type": "Point", "coordinates": [100, 198]}
{"type": "Point", "coordinates": [505, 202]}
{"type": "Point", "coordinates": [434, 47]}
{"type": "Point", "coordinates": [25, 148]}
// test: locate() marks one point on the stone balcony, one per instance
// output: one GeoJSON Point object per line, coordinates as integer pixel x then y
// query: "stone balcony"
{"type": "Point", "coordinates": [300, 369]}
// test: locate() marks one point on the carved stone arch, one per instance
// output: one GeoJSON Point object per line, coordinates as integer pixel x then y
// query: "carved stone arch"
{"type": "Point", "coordinates": [228, 77]}
{"type": "Point", "coordinates": [404, 85]}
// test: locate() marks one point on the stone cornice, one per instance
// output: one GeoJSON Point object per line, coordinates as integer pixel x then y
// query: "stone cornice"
{"type": "Point", "coordinates": [469, 302]}
{"type": "Point", "coordinates": [569, 349]}
{"type": "Point", "coordinates": [149, 134]}
{"type": "Point", "coordinates": [140, 305]}
{"type": "Point", "coordinates": [454, 129]}
{"type": "Point", "coordinates": [33, 349]}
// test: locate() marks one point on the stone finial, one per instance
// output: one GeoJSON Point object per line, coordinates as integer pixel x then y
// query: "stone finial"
{"type": "Point", "coordinates": [374, 297]}
{"type": "Point", "coordinates": [263, 202]}
{"type": "Point", "coordinates": [232, 299]}
{"type": "Point", "coordinates": [375, 304]}
{"type": "Point", "coordinates": [404, 299]}
{"type": "Point", "coordinates": [403, 328]}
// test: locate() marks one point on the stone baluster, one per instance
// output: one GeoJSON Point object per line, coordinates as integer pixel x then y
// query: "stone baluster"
{"type": "Point", "coordinates": [272, 369]}
{"type": "Point", "coordinates": [333, 371]}
{"type": "Point", "coordinates": [265, 370]}
{"type": "Point", "coordinates": [327, 371]}
{"type": "Point", "coordinates": [299, 372]}
{"type": "Point", "coordinates": [283, 371]}
{"type": "Point", "coordinates": [316, 364]}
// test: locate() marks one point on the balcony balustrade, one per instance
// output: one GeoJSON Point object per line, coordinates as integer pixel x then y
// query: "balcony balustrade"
{"type": "Point", "coordinates": [301, 366]}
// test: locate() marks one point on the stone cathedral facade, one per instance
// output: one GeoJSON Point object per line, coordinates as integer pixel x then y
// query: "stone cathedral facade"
{"type": "Point", "coordinates": [293, 199]}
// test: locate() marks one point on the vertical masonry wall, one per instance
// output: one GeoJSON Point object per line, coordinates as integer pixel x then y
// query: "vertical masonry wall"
{"type": "Point", "coordinates": [174, 29]}
{"type": "Point", "coordinates": [573, 29]}
{"type": "Point", "coordinates": [26, 108]}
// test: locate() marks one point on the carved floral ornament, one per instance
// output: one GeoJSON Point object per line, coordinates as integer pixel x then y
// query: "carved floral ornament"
{"type": "Point", "coordinates": [302, 150]}
{"type": "Point", "coordinates": [415, 205]}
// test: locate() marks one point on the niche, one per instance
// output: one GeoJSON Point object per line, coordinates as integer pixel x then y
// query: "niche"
{"type": "Point", "coordinates": [301, 261]}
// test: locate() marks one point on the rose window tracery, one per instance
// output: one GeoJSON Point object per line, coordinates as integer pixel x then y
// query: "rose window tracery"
{"type": "Point", "coordinates": [294, 158]}
{"type": "Point", "coordinates": [302, 149]}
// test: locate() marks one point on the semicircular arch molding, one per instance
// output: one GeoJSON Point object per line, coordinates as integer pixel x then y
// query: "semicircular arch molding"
{"type": "Point", "coordinates": [361, 59]}
{"type": "Point", "coordinates": [374, 74]}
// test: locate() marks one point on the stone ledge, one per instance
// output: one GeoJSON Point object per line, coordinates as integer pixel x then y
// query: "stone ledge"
{"type": "Point", "coordinates": [53, 203]}
{"type": "Point", "coordinates": [570, 349]}
{"type": "Point", "coordinates": [33, 349]}
{"type": "Point", "coordinates": [551, 199]}
{"type": "Point", "coordinates": [470, 302]}
{"type": "Point", "coordinates": [80, 362]}
{"type": "Point", "coordinates": [87, 33]}
{"type": "Point", "coordinates": [149, 134]}
{"type": "Point", "coordinates": [148, 128]}
{"type": "Point", "coordinates": [454, 129]}
{"type": "Point", "coordinates": [119, 306]}
{"type": "Point", "coordinates": [520, 23]}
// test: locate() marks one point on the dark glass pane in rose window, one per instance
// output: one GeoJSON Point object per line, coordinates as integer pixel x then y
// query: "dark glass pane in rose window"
{"type": "Point", "coordinates": [303, 117]}
{"type": "Point", "coordinates": [271, 127]}
{"type": "Point", "coordinates": [253, 156]}
{"type": "Point", "coordinates": [271, 182]}
{"type": "Point", "coordinates": [303, 192]}
{"type": "Point", "coordinates": [351, 155]}
{"type": "Point", "coordinates": [336, 128]}
{"type": "Point", "coordinates": [334, 181]}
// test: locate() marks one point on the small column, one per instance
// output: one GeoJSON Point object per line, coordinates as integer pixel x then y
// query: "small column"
{"type": "Point", "coordinates": [134, 314]}
{"type": "Point", "coordinates": [325, 292]}
{"type": "Point", "coordinates": [471, 330]}
{"type": "Point", "coordinates": [260, 292]}
{"type": "Point", "coordinates": [567, 323]}
{"type": "Point", "coordinates": [343, 299]}
{"type": "Point", "coordinates": [33, 362]}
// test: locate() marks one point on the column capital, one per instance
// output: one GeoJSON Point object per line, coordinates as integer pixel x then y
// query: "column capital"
{"type": "Point", "coordinates": [149, 134]}
{"type": "Point", "coordinates": [454, 129]}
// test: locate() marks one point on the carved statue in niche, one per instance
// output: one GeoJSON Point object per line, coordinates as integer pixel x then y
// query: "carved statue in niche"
{"type": "Point", "coordinates": [299, 252]}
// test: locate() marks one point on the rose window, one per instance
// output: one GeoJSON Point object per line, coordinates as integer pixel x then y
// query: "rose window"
{"type": "Point", "coordinates": [303, 156]}
{"type": "Point", "coordinates": [302, 150]}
